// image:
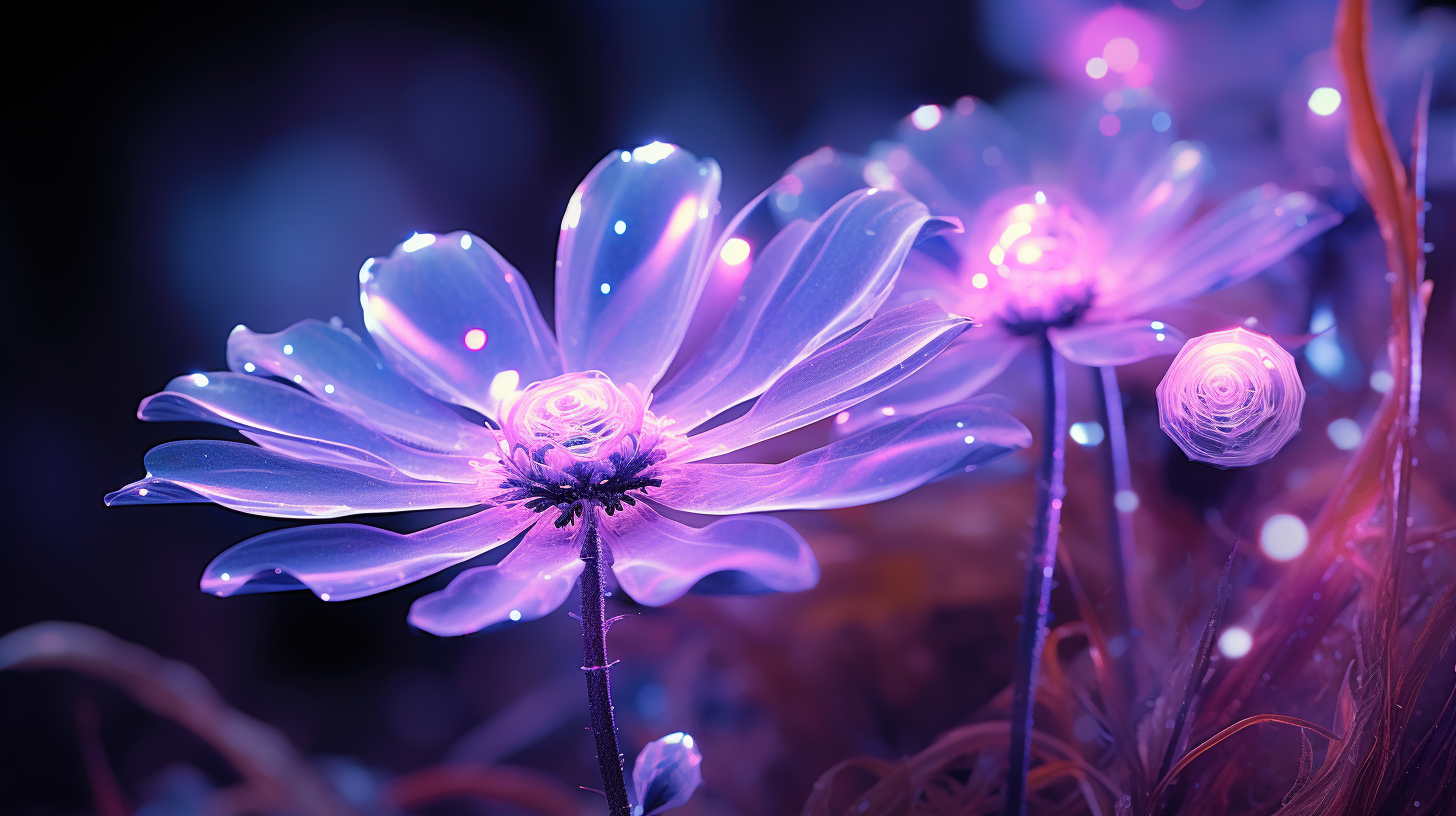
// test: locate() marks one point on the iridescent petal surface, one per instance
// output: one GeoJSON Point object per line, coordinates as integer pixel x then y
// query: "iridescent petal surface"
{"type": "Point", "coordinates": [264, 483]}
{"type": "Point", "coordinates": [657, 560]}
{"type": "Point", "coordinates": [889, 348]}
{"type": "Point", "coordinates": [424, 303]}
{"type": "Point", "coordinates": [812, 283]}
{"type": "Point", "coordinates": [532, 581]}
{"type": "Point", "coordinates": [270, 410]}
{"type": "Point", "coordinates": [871, 466]}
{"type": "Point", "coordinates": [335, 366]}
{"type": "Point", "coordinates": [969, 152]}
{"type": "Point", "coordinates": [954, 375]}
{"type": "Point", "coordinates": [1234, 242]}
{"type": "Point", "coordinates": [1114, 344]}
{"type": "Point", "coordinates": [630, 261]}
{"type": "Point", "coordinates": [339, 562]}
{"type": "Point", "coordinates": [1162, 202]}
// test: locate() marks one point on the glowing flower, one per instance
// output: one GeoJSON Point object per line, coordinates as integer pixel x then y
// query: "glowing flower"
{"type": "Point", "coordinates": [589, 422]}
{"type": "Point", "coordinates": [1084, 260]}
{"type": "Point", "coordinates": [1231, 398]}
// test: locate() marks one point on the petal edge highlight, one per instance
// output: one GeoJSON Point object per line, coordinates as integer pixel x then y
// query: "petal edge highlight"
{"type": "Point", "coordinates": [340, 562]}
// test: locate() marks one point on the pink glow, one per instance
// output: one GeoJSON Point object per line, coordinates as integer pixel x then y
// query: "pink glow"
{"type": "Point", "coordinates": [679, 227]}
{"type": "Point", "coordinates": [682, 218]}
{"type": "Point", "coordinates": [1126, 42]}
{"type": "Point", "coordinates": [1139, 76]}
{"type": "Point", "coordinates": [1034, 250]}
{"type": "Point", "coordinates": [381, 315]}
{"type": "Point", "coordinates": [1157, 198]}
{"type": "Point", "coordinates": [1109, 125]}
{"type": "Point", "coordinates": [1121, 54]}
{"type": "Point", "coordinates": [475, 339]}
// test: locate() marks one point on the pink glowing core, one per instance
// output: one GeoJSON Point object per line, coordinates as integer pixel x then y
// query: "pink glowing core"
{"type": "Point", "coordinates": [581, 416]}
{"type": "Point", "coordinates": [475, 339]}
{"type": "Point", "coordinates": [1119, 42]}
{"type": "Point", "coordinates": [1231, 398]}
{"type": "Point", "coordinates": [1036, 251]}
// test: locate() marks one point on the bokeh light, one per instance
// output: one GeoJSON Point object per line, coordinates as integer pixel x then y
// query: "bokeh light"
{"type": "Point", "coordinates": [1235, 642]}
{"type": "Point", "coordinates": [1324, 101]}
{"type": "Point", "coordinates": [735, 251]}
{"type": "Point", "coordinates": [1283, 537]}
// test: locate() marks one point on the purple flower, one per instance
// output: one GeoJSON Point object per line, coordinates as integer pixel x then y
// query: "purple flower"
{"type": "Point", "coordinates": [613, 416]}
{"type": "Point", "coordinates": [1083, 254]}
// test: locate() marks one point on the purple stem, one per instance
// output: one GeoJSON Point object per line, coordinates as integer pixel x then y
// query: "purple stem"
{"type": "Point", "coordinates": [1036, 598]}
{"type": "Point", "coordinates": [1124, 548]}
{"type": "Point", "coordinates": [594, 663]}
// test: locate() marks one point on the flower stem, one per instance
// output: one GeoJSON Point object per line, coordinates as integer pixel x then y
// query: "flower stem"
{"type": "Point", "coordinates": [1036, 598]}
{"type": "Point", "coordinates": [1124, 550]}
{"type": "Point", "coordinates": [594, 663]}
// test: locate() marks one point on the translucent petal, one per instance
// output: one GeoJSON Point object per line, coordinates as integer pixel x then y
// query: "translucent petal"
{"type": "Point", "coordinates": [630, 264]}
{"type": "Point", "coordinates": [817, 182]}
{"type": "Point", "coordinates": [968, 152]}
{"type": "Point", "coordinates": [264, 483]}
{"type": "Point", "coordinates": [270, 409]}
{"type": "Point", "coordinates": [658, 560]}
{"type": "Point", "coordinates": [339, 562]}
{"type": "Point", "coordinates": [1105, 166]}
{"type": "Point", "coordinates": [333, 365]}
{"type": "Point", "coordinates": [666, 773]}
{"type": "Point", "coordinates": [889, 348]}
{"type": "Point", "coordinates": [811, 284]}
{"type": "Point", "coordinates": [530, 582]}
{"type": "Point", "coordinates": [1161, 203]}
{"type": "Point", "coordinates": [871, 466]}
{"type": "Point", "coordinates": [735, 252]}
{"type": "Point", "coordinates": [1234, 242]}
{"type": "Point", "coordinates": [922, 276]}
{"type": "Point", "coordinates": [457, 320]}
{"type": "Point", "coordinates": [1114, 344]}
{"type": "Point", "coordinates": [956, 374]}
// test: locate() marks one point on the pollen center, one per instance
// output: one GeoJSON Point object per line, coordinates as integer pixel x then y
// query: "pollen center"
{"type": "Point", "coordinates": [578, 441]}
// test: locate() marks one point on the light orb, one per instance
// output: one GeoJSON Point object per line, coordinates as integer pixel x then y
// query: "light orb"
{"type": "Point", "coordinates": [1324, 101]}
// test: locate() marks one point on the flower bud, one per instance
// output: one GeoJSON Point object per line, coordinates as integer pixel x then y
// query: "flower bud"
{"type": "Point", "coordinates": [667, 772]}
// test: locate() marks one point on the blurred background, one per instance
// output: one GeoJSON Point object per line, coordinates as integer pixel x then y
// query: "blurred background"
{"type": "Point", "coordinates": [170, 173]}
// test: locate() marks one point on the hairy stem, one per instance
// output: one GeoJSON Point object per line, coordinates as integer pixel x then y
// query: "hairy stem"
{"type": "Point", "coordinates": [594, 663]}
{"type": "Point", "coordinates": [1036, 598]}
{"type": "Point", "coordinates": [1124, 550]}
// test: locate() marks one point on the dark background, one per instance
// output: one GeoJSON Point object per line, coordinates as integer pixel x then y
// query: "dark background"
{"type": "Point", "coordinates": [169, 173]}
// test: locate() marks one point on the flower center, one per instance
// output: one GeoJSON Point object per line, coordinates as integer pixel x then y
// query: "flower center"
{"type": "Point", "coordinates": [1036, 252]}
{"type": "Point", "coordinates": [576, 441]}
